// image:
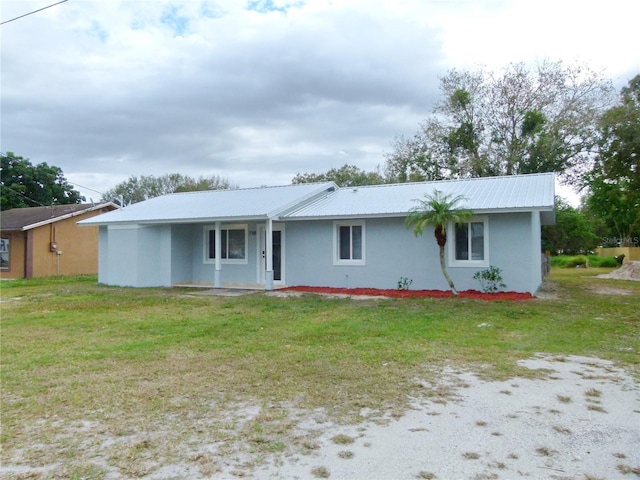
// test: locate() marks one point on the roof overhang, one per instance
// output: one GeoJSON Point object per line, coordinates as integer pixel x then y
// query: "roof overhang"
{"type": "Point", "coordinates": [181, 221]}
{"type": "Point", "coordinates": [547, 214]}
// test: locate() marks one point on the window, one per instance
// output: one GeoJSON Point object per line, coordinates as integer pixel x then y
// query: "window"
{"type": "Point", "coordinates": [469, 245]}
{"type": "Point", "coordinates": [233, 247]}
{"type": "Point", "coordinates": [4, 253]}
{"type": "Point", "coordinates": [348, 243]}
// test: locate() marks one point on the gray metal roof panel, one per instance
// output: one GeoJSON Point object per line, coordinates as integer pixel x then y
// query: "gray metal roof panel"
{"type": "Point", "coordinates": [506, 193]}
{"type": "Point", "coordinates": [514, 192]}
{"type": "Point", "coordinates": [210, 205]}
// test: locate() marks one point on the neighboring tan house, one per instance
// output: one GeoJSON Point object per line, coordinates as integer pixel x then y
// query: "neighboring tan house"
{"type": "Point", "coordinates": [46, 241]}
{"type": "Point", "coordinates": [323, 235]}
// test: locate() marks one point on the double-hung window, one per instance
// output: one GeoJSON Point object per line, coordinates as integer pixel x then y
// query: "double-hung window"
{"type": "Point", "coordinates": [233, 244]}
{"type": "Point", "coordinates": [469, 245]}
{"type": "Point", "coordinates": [349, 243]}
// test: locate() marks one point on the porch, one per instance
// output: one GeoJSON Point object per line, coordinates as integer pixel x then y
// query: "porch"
{"type": "Point", "coordinates": [225, 255]}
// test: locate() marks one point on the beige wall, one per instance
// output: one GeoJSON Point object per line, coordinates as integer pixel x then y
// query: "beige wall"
{"type": "Point", "coordinates": [630, 253]}
{"type": "Point", "coordinates": [76, 250]}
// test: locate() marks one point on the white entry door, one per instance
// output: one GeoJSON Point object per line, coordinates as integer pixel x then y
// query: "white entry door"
{"type": "Point", "coordinates": [277, 235]}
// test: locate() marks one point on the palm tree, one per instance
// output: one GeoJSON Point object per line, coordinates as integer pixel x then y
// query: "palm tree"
{"type": "Point", "coordinates": [438, 210]}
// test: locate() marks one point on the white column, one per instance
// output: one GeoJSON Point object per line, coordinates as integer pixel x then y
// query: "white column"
{"type": "Point", "coordinates": [536, 252]}
{"type": "Point", "coordinates": [218, 248]}
{"type": "Point", "coordinates": [268, 274]}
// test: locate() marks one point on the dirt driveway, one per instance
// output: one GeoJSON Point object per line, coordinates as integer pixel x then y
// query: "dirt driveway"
{"type": "Point", "coordinates": [575, 418]}
{"type": "Point", "coordinates": [581, 420]}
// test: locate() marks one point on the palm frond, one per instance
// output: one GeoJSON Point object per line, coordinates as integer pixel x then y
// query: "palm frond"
{"type": "Point", "coordinates": [436, 209]}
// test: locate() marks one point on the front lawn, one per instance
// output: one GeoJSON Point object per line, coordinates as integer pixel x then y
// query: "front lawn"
{"type": "Point", "coordinates": [82, 362]}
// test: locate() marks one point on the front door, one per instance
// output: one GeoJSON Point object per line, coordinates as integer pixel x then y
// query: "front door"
{"type": "Point", "coordinates": [277, 257]}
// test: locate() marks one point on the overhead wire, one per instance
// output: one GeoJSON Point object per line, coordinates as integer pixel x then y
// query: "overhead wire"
{"type": "Point", "coordinates": [24, 196]}
{"type": "Point", "coordinates": [73, 184]}
{"type": "Point", "coordinates": [35, 11]}
{"type": "Point", "coordinates": [2, 185]}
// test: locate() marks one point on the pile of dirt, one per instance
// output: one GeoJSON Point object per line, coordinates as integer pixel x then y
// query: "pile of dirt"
{"type": "Point", "coordinates": [628, 271]}
{"type": "Point", "coordinates": [376, 292]}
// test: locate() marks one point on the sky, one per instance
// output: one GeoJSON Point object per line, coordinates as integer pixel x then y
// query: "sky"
{"type": "Point", "coordinates": [257, 91]}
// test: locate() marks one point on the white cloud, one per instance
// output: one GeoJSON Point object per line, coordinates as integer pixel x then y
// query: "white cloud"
{"type": "Point", "coordinates": [109, 89]}
{"type": "Point", "coordinates": [494, 33]}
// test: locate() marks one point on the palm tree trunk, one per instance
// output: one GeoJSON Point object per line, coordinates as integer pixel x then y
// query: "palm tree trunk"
{"type": "Point", "coordinates": [443, 266]}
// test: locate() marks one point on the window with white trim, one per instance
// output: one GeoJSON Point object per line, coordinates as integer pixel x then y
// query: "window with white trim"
{"type": "Point", "coordinates": [469, 244]}
{"type": "Point", "coordinates": [349, 243]}
{"type": "Point", "coordinates": [233, 247]}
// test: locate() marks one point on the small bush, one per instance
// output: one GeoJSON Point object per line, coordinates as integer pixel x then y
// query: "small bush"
{"type": "Point", "coordinates": [490, 279]}
{"type": "Point", "coordinates": [404, 283]}
{"type": "Point", "coordinates": [579, 261]}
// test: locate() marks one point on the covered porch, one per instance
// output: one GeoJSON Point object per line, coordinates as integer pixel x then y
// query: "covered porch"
{"type": "Point", "coordinates": [243, 255]}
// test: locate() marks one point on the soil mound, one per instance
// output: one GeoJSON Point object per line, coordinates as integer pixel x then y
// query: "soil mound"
{"type": "Point", "coordinates": [628, 271]}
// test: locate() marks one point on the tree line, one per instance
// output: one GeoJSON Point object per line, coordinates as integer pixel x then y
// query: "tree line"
{"type": "Point", "coordinates": [549, 118]}
{"type": "Point", "coordinates": [553, 118]}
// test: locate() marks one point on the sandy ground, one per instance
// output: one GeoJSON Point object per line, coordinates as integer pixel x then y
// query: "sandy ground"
{"type": "Point", "coordinates": [580, 422]}
{"type": "Point", "coordinates": [579, 418]}
{"type": "Point", "coordinates": [628, 271]}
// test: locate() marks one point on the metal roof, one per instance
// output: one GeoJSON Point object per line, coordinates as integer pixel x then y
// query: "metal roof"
{"type": "Point", "coordinates": [486, 194]}
{"type": "Point", "coordinates": [324, 200]}
{"type": "Point", "coordinates": [224, 205]}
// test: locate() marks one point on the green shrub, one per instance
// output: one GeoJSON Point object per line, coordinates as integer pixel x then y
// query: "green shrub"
{"type": "Point", "coordinates": [568, 261]}
{"type": "Point", "coordinates": [490, 279]}
{"type": "Point", "coordinates": [602, 262]}
{"type": "Point", "coordinates": [558, 261]}
{"type": "Point", "coordinates": [580, 261]}
{"type": "Point", "coordinates": [404, 283]}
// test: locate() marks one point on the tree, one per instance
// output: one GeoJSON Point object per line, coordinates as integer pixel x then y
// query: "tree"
{"type": "Point", "coordinates": [613, 183]}
{"type": "Point", "coordinates": [137, 189]}
{"type": "Point", "coordinates": [573, 232]}
{"type": "Point", "coordinates": [345, 176]}
{"type": "Point", "coordinates": [27, 185]}
{"type": "Point", "coordinates": [515, 121]}
{"type": "Point", "coordinates": [439, 210]}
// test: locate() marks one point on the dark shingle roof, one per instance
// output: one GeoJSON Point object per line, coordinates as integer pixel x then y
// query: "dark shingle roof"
{"type": "Point", "coordinates": [21, 218]}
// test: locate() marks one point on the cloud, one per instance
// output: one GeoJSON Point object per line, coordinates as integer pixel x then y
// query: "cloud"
{"type": "Point", "coordinates": [254, 91]}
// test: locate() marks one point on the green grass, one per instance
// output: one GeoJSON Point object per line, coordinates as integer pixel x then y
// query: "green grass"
{"type": "Point", "coordinates": [183, 368]}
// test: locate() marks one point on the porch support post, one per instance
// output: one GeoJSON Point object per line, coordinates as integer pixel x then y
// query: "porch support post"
{"type": "Point", "coordinates": [218, 248]}
{"type": "Point", "coordinates": [536, 252]}
{"type": "Point", "coordinates": [268, 274]}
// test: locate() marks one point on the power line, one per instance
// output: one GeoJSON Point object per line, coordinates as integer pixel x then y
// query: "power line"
{"type": "Point", "coordinates": [86, 188]}
{"type": "Point", "coordinates": [24, 196]}
{"type": "Point", "coordinates": [72, 184]}
{"type": "Point", "coordinates": [35, 11]}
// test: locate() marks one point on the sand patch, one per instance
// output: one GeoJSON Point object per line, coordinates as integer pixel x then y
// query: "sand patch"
{"type": "Point", "coordinates": [580, 422]}
{"type": "Point", "coordinates": [628, 271]}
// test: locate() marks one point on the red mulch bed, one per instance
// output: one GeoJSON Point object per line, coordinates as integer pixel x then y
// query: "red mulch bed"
{"type": "Point", "coordinates": [474, 294]}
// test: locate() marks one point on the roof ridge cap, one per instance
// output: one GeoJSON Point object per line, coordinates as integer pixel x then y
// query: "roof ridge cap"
{"type": "Point", "coordinates": [244, 189]}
